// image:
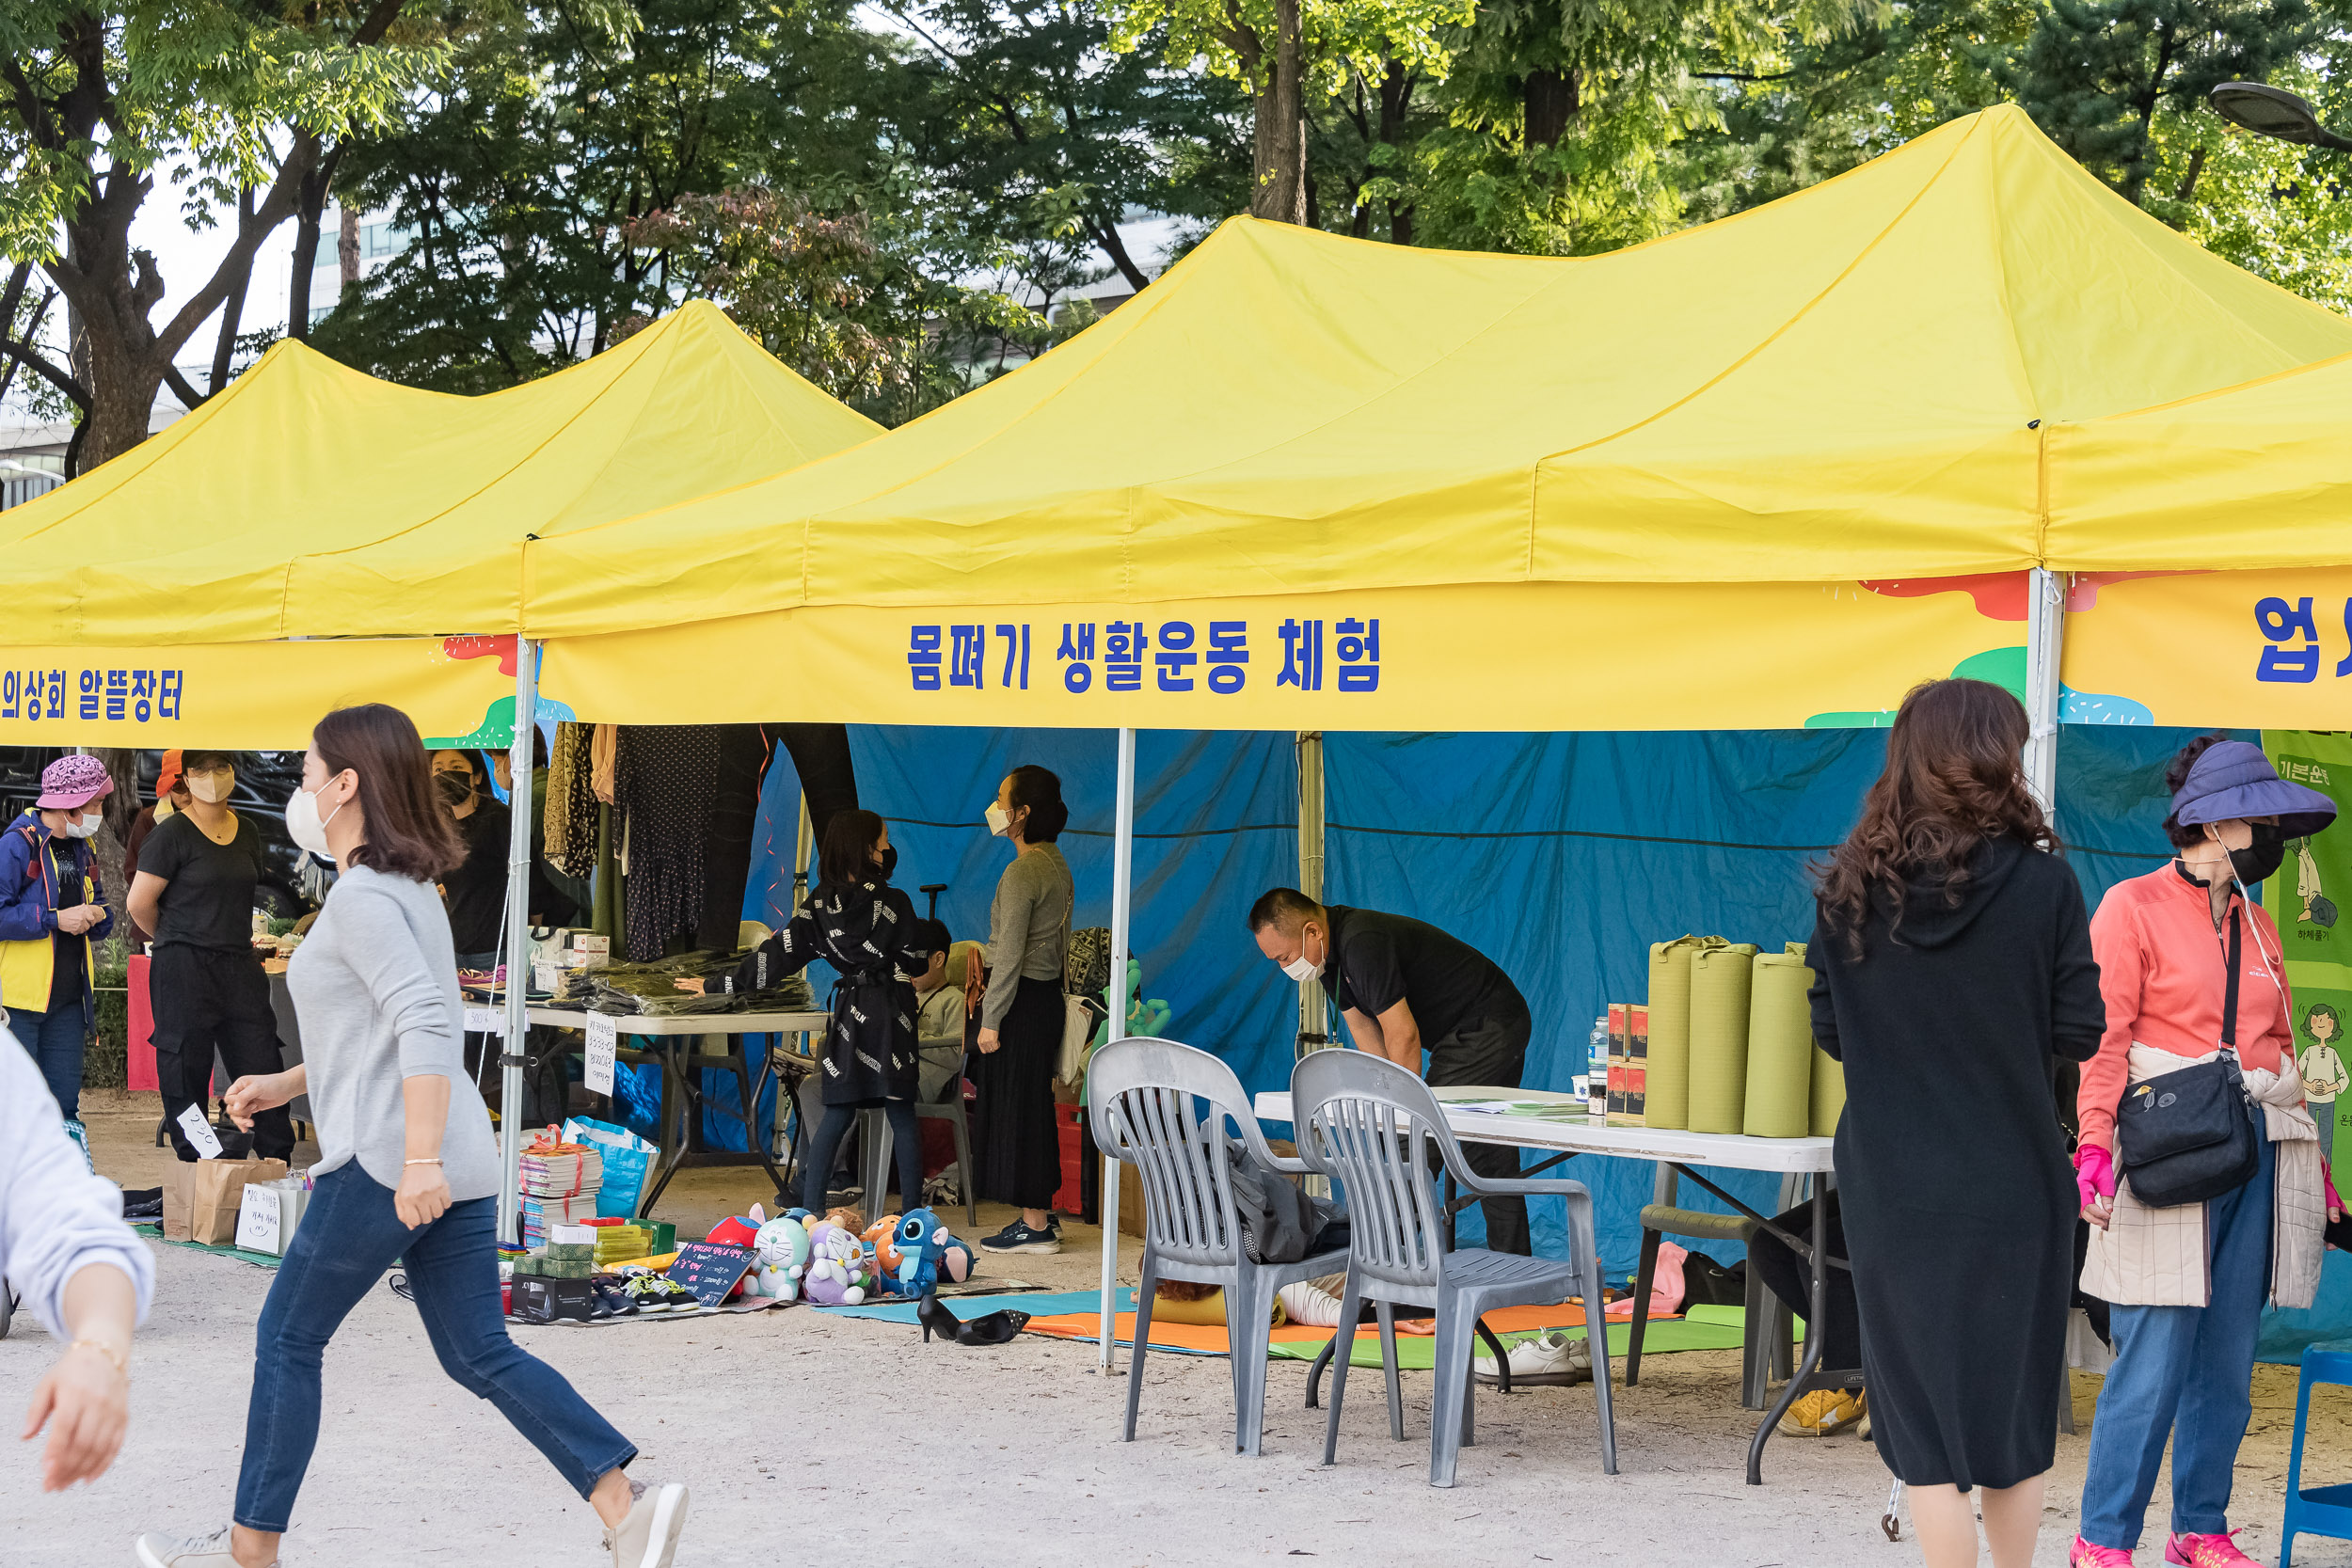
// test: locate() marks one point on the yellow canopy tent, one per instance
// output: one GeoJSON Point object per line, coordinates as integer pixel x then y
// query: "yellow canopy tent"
{"type": "Point", "coordinates": [153, 599]}
{"type": "Point", "coordinates": [1660, 477]}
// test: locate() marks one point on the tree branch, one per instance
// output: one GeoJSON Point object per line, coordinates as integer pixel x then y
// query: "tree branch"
{"type": "Point", "coordinates": [189, 397]}
{"type": "Point", "coordinates": [39, 364]}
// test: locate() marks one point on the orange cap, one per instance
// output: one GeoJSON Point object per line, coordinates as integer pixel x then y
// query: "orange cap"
{"type": "Point", "coordinates": [168, 774]}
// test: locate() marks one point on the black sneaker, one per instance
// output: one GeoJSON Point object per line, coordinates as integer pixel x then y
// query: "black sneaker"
{"type": "Point", "coordinates": [1018, 1237]}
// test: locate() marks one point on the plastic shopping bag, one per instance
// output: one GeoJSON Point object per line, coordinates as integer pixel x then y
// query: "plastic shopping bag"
{"type": "Point", "coordinates": [626, 1157]}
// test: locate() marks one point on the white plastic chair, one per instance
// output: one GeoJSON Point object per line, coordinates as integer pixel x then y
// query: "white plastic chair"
{"type": "Point", "coordinates": [1141, 1095]}
{"type": "Point", "coordinates": [1371, 1126]}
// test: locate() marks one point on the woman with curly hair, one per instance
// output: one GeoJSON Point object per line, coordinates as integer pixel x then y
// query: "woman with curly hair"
{"type": "Point", "coordinates": [1953, 957]}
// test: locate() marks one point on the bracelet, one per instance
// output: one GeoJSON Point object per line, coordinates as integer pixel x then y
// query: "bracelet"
{"type": "Point", "coordinates": [421, 1161]}
{"type": "Point", "coordinates": [122, 1363]}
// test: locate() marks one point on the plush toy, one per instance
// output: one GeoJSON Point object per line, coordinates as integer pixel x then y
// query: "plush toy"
{"type": "Point", "coordinates": [782, 1253]}
{"type": "Point", "coordinates": [836, 1274]}
{"type": "Point", "coordinates": [917, 1245]}
{"type": "Point", "coordinates": [1145, 1020]}
{"type": "Point", "coordinates": [881, 1239]}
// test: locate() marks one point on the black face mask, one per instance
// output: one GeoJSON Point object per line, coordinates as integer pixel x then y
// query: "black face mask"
{"type": "Point", "coordinates": [456, 789]}
{"type": "Point", "coordinates": [888, 863]}
{"type": "Point", "coordinates": [2257, 861]}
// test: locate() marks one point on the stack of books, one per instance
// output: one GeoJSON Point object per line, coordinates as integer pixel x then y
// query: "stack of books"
{"type": "Point", "coordinates": [559, 1183]}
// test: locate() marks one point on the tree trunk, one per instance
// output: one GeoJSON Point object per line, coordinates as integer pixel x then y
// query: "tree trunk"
{"type": "Point", "coordinates": [347, 247]}
{"type": "Point", "coordinates": [122, 396]}
{"type": "Point", "coordinates": [1551, 100]}
{"type": "Point", "coordinates": [1280, 151]}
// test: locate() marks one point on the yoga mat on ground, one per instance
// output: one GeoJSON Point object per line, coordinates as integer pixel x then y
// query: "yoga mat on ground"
{"type": "Point", "coordinates": [1419, 1352]}
{"type": "Point", "coordinates": [1035, 1303]}
{"type": "Point", "coordinates": [1828, 1093]}
{"type": "Point", "coordinates": [1669, 1083]}
{"type": "Point", "coordinates": [1720, 979]}
{"type": "Point", "coordinates": [1780, 1047]}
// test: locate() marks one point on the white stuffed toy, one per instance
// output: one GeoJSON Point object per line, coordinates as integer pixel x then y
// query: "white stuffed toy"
{"type": "Point", "coordinates": [780, 1254]}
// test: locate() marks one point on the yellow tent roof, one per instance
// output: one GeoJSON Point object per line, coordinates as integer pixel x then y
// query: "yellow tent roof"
{"type": "Point", "coordinates": [2257, 476]}
{"type": "Point", "coordinates": [309, 499]}
{"type": "Point", "coordinates": [1843, 384]}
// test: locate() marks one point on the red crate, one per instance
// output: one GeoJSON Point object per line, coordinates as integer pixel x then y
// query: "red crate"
{"type": "Point", "coordinates": [1069, 1125]}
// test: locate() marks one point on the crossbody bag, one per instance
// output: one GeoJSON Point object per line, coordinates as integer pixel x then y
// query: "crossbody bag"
{"type": "Point", "coordinates": [2186, 1136]}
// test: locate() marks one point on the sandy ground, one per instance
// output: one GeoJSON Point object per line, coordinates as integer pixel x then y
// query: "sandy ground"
{"type": "Point", "coordinates": [808, 1438]}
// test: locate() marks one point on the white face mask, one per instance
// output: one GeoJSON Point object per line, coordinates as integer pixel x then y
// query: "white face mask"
{"type": "Point", "coordinates": [1301, 968]}
{"type": "Point", "coordinates": [85, 825]}
{"type": "Point", "coordinates": [304, 825]}
{"type": "Point", "coordinates": [213, 788]}
{"type": "Point", "coordinates": [1000, 820]}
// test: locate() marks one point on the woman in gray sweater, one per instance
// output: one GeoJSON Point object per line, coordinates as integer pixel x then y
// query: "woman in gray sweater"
{"type": "Point", "coordinates": [408, 1168]}
{"type": "Point", "coordinates": [1021, 1012]}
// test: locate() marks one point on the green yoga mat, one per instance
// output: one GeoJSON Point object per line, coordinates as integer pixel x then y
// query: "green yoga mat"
{"type": "Point", "coordinates": [1828, 1093]}
{"type": "Point", "coordinates": [1720, 982]}
{"type": "Point", "coordinates": [1780, 1047]}
{"type": "Point", "coordinates": [1719, 1328]}
{"type": "Point", "coordinates": [1669, 1085]}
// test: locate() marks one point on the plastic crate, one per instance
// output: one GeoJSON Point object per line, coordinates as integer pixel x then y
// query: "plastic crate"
{"type": "Point", "coordinates": [1069, 1127]}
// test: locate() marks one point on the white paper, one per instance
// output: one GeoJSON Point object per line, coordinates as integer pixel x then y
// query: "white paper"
{"type": "Point", "coordinates": [199, 1132]}
{"type": "Point", "coordinates": [257, 1221]}
{"type": "Point", "coordinates": [486, 1021]}
{"type": "Point", "coordinates": [602, 1042]}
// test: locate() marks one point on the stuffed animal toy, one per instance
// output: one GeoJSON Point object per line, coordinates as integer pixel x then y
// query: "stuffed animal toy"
{"type": "Point", "coordinates": [1145, 1020]}
{"type": "Point", "coordinates": [836, 1274]}
{"type": "Point", "coordinates": [782, 1253]}
{"type": "Point", "coordinates": [915, 1249]}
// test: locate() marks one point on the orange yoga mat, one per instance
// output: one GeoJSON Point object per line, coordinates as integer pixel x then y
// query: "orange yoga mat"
{"type": "Point", "coordinates": [1204, 1340]}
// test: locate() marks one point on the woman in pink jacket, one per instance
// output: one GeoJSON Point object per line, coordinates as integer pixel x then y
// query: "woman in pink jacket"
{"type": "Point", "coordinates": [2188, 1289]}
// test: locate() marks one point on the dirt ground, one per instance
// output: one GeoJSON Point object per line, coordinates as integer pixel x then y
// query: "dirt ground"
{"type": "Point", "coordinates": [806, 1437]}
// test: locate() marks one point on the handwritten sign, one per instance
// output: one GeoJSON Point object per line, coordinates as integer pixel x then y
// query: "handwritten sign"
{"type": "Point", "coordinates": [486, 1021]}
{"type": "Point", "coordinates": [711, 1272]}
{"type": "Point", "coordinates": [259, 1221]}
{"type": "Point", "coordinates": [199, 1132]}
{"type": "Point", "coordinates": [603, 1041]}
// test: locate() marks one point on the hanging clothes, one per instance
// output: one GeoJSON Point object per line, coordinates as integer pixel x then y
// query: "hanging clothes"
{"type": "Point", "coordinates": [664, 777]}
{"type": "Point", "coordinates": [570, 823]}
{"type": "Point", "coordinates": [603, 749]}
{"type": "Point", "coordinates": [743, 752]}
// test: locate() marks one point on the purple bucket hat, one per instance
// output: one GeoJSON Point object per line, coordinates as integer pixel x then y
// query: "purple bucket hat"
{"type": "Point", "coordinates": [2233, 779]}
{"type": "Point", "coordinates": [73, 781]}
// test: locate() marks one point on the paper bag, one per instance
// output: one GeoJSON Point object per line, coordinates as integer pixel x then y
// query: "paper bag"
{"type": "Point", "coordinates": [204, 1197]}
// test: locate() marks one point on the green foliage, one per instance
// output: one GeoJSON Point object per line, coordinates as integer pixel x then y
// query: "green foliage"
{"type": "Point", "coordinates": [1234, 38]}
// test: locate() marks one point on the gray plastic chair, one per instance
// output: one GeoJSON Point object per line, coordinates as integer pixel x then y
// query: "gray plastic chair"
{"type": "Point", "coordinates": [1371, 1126]}
{"type": "Point", "coordinates": [1141, 1095]}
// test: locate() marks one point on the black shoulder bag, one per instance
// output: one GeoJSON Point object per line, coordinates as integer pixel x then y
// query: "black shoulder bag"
{"type": "Point", "coordinates": [2186, 1136]}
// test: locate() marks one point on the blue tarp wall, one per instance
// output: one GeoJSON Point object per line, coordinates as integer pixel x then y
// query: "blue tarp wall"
{"type": "Point", "coordinates": [1560, 856]}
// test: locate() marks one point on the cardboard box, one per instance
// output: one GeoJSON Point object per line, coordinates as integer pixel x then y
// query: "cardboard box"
{"type": "Point", "coordinates": [1620, 1057]}
{"type": "Point", "coordinates": [547, 1301]}
{"type": "Point", "coordinates": [1636, 1067]}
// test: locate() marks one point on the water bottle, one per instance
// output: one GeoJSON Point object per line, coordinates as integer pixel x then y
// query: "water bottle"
{"type": "Point", "coordinates": [1596, 1076]}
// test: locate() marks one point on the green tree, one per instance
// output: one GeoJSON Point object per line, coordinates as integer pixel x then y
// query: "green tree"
{"type": "Point", "coordinates": [101, 97]}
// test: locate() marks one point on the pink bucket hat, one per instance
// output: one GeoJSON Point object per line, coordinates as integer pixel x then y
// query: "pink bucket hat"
{"type": "Point", "coordinates": [70, 782]}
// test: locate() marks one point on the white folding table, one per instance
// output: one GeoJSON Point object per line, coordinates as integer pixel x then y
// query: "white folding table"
{"type": "Point", "coordinates": [1565, 1138]}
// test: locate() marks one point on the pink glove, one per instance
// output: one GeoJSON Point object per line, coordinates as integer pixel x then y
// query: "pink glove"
{"type": "Point", "coordinates": [2335, 1204]}
{"type": "Point", "coordinates": [2094, 1173]}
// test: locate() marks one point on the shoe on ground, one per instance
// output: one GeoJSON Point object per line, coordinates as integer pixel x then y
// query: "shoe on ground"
{"type": "Point", "coordinates": [2084, 1555]}
{"type": "Point", "coordinates": [649, 1537]}
{"type": "Point", "coordinates": [1863, 1431]}
{"type": "Point", "coordinates": [2205, 1551]}
{"type": "Point", "coordinates": [613, 1297]}
{"type": "Point", "coordinates": [157, 1550]}
{"type": "Point", "coordinates": [1018, 1237]}
{"type": "Point", "coordinates": [1825, 1413]}
{"type": "Point", "coordinates": [1549, 1360]}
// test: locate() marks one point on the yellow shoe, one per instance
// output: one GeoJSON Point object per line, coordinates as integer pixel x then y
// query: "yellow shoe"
{"type": "Point", "coordinates": [1823, 1414]}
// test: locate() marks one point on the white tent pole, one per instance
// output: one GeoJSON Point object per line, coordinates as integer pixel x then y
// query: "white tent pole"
{"type": "Point", "coordinates": [1122, 905]}
{"type": "Point", "coordinates": [519, 853]}
{"type": "Point", "coordinates": [2045, 646]}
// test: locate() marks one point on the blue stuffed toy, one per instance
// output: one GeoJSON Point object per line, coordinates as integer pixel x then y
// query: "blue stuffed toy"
{"type": "Point", "coordinates": [911, 1264]}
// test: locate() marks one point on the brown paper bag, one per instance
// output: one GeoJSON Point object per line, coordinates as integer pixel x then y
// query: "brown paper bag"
{"type": "Point", "coordinates": [203, 1198]}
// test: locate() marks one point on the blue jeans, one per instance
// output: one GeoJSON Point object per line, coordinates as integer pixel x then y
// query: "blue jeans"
{"type": "Point", "coordinates": [349, 1235]}
{"type": "Point", "coordinates": [2187, 1373]}
{"type": "Point", "coordinates": [54, 1040]}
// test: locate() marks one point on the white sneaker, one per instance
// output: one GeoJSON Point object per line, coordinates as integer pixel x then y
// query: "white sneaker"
{"type": "Point", "coordinates": [157, 1550]}
{"type": "Point", "coordinates": [649, 1537]}
{"type": "Point", "coordinates": [1552, 1358]}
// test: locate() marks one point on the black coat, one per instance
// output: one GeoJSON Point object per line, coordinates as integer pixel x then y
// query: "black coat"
{"type": "Point", "coordinates": [1952, 1171]}
{"type": "Point", "coordinates": [869, 934]}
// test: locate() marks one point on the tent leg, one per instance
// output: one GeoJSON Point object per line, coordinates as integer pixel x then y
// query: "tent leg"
{"type": "Point", "coordinates": [2045, 647]}
{"type": "Point", "coordinates": [518, 943]}
{"type": "Point", "coordinates": [1122, 899]}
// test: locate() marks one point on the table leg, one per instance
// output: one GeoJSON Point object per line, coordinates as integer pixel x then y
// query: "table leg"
{"type": "Point", "coordinates": [1818, 1303]}
{"type": "Point", "coordinates": [673, 1141]}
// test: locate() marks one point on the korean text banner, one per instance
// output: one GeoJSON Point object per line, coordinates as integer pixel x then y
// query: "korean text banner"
{"type": "Point", "coordinates": [253, 695]}
{"type": "Point", "coordinates": [1535, 656]}
{"type": "Point", "coordinates": [2257, 649]}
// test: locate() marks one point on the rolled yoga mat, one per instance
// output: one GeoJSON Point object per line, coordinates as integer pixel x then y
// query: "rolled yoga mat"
{"type": "Point", "coordinates": [1780, 1047]}
{"type": "Point", "coordinates": [1720, 982]}
{"type": "Point", "coordinates": [1669, 1085]}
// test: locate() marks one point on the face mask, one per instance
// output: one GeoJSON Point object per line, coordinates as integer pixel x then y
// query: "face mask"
{"type": "Point", "coordinates": [213, 788]}
{"type": "Point", "coordinates": [1000, 820]}
{"type": "Point", "coordinates": [2257, 861]}
{"type": "Point", "coordinates": [303, 824]}
{"type": "Point", "coordinates": [1301, 968]}
{"type": "Point", "coordinates": [86, 826]}
{"type": "Point", "coordinates": [455, 788]}
{"type": "Point", "coordinates": [888, 863]}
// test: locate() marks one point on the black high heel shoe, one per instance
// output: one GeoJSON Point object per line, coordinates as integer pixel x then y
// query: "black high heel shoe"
{"type": "Point", "coordinates": [995, 1329]}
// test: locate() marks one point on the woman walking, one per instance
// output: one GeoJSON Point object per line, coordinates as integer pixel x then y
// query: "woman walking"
{"type": "Point", "coordinates": [407, 1167]}
{"type": "Point", "coordinates": [1022, 1013]}
{"type": "Point", "coordinates": [2186, 1283]}
{"type": "Point", "coordinates": [1953, 961]}
{"type": "Point", "coordinates": [866, 929]}
{"type": "Point", "coordinates": [51, 911]}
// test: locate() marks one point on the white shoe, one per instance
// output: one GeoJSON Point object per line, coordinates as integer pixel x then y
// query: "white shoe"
{"type": "Point", "coordinates": [649, 1537]}
{"type": "Point", "coordinates": [157, 1550]}
{"type": "Point", "coordinates": [1550, 1358]}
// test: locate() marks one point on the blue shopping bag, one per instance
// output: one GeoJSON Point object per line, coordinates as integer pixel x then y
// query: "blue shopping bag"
{"type": "Point", "coordinates": [626, 1157]}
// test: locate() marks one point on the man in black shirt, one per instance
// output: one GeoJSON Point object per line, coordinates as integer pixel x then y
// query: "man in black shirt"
{"type": "Point", "coordinates": [1404, 987]}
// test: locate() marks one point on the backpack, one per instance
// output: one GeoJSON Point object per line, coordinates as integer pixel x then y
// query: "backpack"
{"type": "Point", "coordinates": [1087, 966]}
{"type": "Point", "coordinates": [1279, 1223]}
